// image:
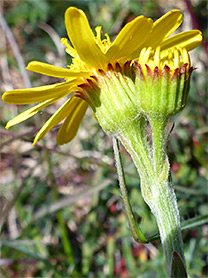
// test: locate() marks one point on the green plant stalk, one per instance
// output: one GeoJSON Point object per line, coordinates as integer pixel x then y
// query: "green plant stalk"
{"type": "Point", "coordinates": [158, 125]}
{"type": "Point", "coordinates": [156, 190]}
{"type": "Point", "coordinates": [132, 140]}
{"type": "Point", "coordinates": [164, 207]}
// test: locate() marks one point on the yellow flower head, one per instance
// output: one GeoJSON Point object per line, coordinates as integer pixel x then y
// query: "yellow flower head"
{"type": "Point", "coordinates": [141, 40]}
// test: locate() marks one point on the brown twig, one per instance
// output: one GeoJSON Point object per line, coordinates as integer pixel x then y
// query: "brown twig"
{"type": "Point", "coordinates": [56, 39]}
{"type": "Point", "coordinates": [11, 203]}
{"type": "Point", "coordinates": [6, 77]}
{"type": "Point", "coordinates": [15, 50]}
{"type": "Point", "coordinates": [15, 137]}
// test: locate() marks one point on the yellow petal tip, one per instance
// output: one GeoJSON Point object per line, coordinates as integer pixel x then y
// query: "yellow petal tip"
{"type": "Point", "coordinates": [36, 139]}
{"type": "Point", "coordinates": [34, 142]}
{"type": "Point", "coordinates": [3, 97]}
{"type": "Point", "coordinates": [7, 126]}
{"type": "Point", "coordinates": [72, 10]}
{"type": "Point", "coordinates": [31, 64]}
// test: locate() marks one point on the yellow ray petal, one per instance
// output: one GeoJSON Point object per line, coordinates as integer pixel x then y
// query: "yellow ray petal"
{"type": "Point", "coordinates": [57, 117]}
{"type": "Point", "coordinates": [54, 71]}
{"type": "Point", "coordinates": [82, 38]}
{"type": "Point", "coordinates": [130, 38]}
{"type": "Point", "coordinates": [164, 27]}
{"type": "Point", "coordinates": [188, 40]}
{"type": "Point", "coordinates": [161, 29]}
{"type": "Point", "coordinates": [69, 128]}
{"type": "Point", "coordinates": [29, 112]}
{"type": "Point", "coordinates": [39, 94]}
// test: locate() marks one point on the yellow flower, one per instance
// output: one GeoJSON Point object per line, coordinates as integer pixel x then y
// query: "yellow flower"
{"type": "Point", "coordinates": [93, 56]}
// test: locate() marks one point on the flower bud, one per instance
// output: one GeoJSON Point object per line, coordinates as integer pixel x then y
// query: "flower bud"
{"type": "Point", "coordinates": [162, 84]}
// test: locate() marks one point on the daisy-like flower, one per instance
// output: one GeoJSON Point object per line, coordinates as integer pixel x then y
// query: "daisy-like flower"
{"type": "Point", "coordinates": [95, 62]}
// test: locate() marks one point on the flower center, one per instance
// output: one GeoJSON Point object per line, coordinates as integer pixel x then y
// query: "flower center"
{"type": "Point", "coordinates": [176, 58]}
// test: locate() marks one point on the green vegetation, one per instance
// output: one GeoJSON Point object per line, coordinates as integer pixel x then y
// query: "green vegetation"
{"type": "Point", "coordinates": [62, 213]}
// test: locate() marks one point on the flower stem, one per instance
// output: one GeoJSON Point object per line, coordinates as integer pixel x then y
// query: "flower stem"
{"type": "Point", "coordinates": [158, 193]}
{"type": "Point", "coordinates": [134, 142]}
{"type": "Point", "coordinates": [164, 207]}
{"type": "Point", "coordinates": [158, 125]}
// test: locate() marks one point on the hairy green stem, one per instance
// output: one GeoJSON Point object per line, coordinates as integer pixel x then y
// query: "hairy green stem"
{"type": "Point", "coordinates": [162, 202]}
{"type": "Point", "coordinates": [158, 193]}
{"type": "Point", "coordinates": [158, 125]}
{"type": "Point", "coordinates": [132, 139]}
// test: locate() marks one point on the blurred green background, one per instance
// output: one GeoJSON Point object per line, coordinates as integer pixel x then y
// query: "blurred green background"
{"type": "Point", "coordinates": [61, 211]}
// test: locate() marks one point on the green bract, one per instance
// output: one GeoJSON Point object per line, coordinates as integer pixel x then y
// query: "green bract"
{"type": "Point", "coordinates": [111, 97]}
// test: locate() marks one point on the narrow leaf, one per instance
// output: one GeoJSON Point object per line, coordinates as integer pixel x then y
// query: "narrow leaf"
{"type": "Point", "coordinates": [177, 268]}
{"type": "Point", "coordinates": [135, 229]}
